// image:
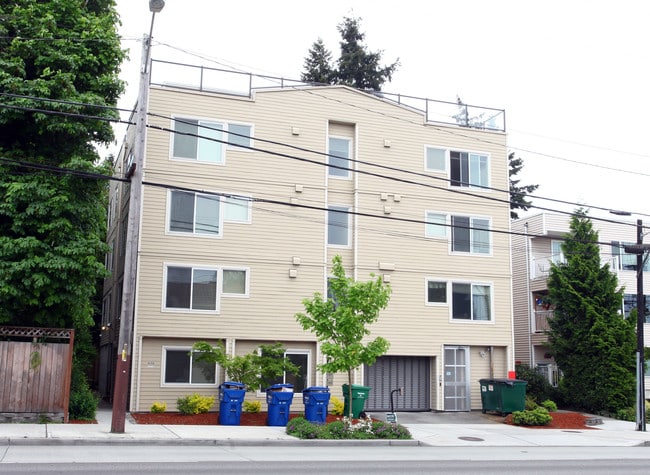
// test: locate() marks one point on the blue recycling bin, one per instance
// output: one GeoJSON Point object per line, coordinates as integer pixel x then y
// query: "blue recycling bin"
{"type": "Point", "coordinates": [316, 400]}
{"type": "Point", "coordinates": [279, 398]}
{"type": "Point", "coordinates": [231, 397]}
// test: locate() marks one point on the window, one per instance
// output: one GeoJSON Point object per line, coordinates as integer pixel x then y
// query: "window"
{"type": "Point", "coordinates": [470, 234]}
{"type": "Point", "coordinates": [471, 302]}
{"type": "Point", "coordinates": [109, 256]}
{"type": "Point", "coordinates": [235, 282]}
{"type": "Point", "coordinates": [198, 140]}
{"type": "Point", "coordinates": [338, 226]}
{"type": "Point", "coordinates": [299, 381]}
{"type": "Point", "coordinates": [241, 135]}
{"type": "Point", "coordinates": [236, 209]}
{"type": "Point", "coordinates": [629, 303]}
{"type": "Point", "coordinates": [194, 213]}
{"type": "Point", "coordinates": [557, 256]}
{"type": "Point", "coordinates": [106, 310]}
{"type": "Point", "coordinates": [468, 169]}
{"type": "Point", "coordinates": [436, 225]}
{"type": "Point", "coordinates": [436, 292]}
{"type": "Point", "coordinates": [180, 367]}
{"type": "Point", "coordinates": [435, 159]}
{"type": "Point", "coordinates": [626, 261]}
{"type": "Point", "coordinates": [191, 288]}
{"type": "Point", "coordinates": [339, 156]}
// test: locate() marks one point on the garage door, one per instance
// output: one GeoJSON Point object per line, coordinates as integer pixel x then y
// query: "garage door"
{"type": "Point", "coordinates": [391, 372]}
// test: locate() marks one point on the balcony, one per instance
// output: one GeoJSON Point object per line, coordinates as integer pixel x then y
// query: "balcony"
{"type": "Point", "coordinates": [541, 320]}
{"type": "Point", "coordinates": [223, 81]}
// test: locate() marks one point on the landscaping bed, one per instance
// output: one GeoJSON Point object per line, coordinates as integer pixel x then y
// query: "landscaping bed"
{"type": "Point", "coordinates": [207, 418]}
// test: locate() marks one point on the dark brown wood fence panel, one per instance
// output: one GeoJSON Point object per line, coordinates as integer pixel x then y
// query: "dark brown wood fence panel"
{"type": "Point", "coordinates": [35, 375]}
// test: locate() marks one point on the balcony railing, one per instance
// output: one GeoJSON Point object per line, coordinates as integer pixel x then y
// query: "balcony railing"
{"type": "Point", "coordinates": [541, 320]}
{"type": "Point", "coordinates": [223, 81]}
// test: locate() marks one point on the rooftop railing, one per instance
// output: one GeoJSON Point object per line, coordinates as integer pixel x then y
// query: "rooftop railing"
{"type": "Point", "coordinates": [223, 81]}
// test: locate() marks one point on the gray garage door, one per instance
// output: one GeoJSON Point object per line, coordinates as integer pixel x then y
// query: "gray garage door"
{"type": "Point", "coordinates": [391, 372]}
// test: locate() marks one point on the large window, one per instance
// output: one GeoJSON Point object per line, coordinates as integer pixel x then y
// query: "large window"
{"type": "Point", "coordinates": [338, 226]}
{"type": "Point", "coordinates": [557, 256]}
{"type": "Point", "coordinates": [468, 169]}
{"type": "Point", "coordinates": [471, 302]}
{"type": "Point", "coordinates": [191, 288]}
{"type": "Point", "coordinates": [339, 157]}
{"type": "Point", "coordinates": [194, 213]}
{"type": "Point", "coordinates": [301, 380]}
{"type": "Point", "coordinates": [205, 141]}
{"type": "Point", "coordinates": [180, 367]}
{"type": "Point", "coordinates": [469, 234]}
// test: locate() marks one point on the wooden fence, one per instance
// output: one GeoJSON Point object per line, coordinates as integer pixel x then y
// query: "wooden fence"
{"type": "Point", "coordinates": [35, 372]}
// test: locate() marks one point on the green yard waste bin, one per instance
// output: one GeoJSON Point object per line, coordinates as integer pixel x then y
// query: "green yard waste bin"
{"type": "Point", "coordinates": [503, 395]}
{"type": "Point", "coordinates": [359, 396]}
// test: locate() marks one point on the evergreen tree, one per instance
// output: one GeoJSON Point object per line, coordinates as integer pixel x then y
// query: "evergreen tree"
{"type": "Point", "coordinates": [356, 67]}
{"type": "Point", "coordinates": [318, 65]}
{"type": "Point", "coordinates": [593, 344]}
{"type": "Point", "coordinates": [64, 56]}
{"type": "Point", "coordinates": [518, 193]}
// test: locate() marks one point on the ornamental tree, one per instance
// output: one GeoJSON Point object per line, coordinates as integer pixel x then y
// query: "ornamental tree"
{"type": "Point", "coordinates": [341, 322]}
{"type": "Point", "coordinates": [592, 342]}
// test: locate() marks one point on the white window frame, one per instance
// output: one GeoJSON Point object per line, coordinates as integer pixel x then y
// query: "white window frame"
{"type": "Point", "coordinates": [471, 320]}
{"type": "Point", "coordinates": [249, 145]}
{"type": "Point", "coordinates": [469, 183]}
{"type": "Point", "coordinates": [344, 210]}
{"type": "Point", "coordinates": [163, 369]}
{"type": "Point", "coordinates": [194, 233]}
{"type": "Point", "coordinates": [557, 258]}
{"type": "Point", "coordinates": [208, 127]}
{"type": "Point", "coordinates": [338, 173]}
{"type": "Point", "coordinates": [247, 273]}
{"type": "Point", "coordinates": [445, 164]}
{"type": "Point", "coordinates": [229, 200]}
{"type": "Point", "coordinates": [426, 292]}
{"type": "Point", "coordinates": [472, 230]}
{"type": "Point", "coordinates": [431, 226]}
{"type": "Point", "coordinates": [192, 267]}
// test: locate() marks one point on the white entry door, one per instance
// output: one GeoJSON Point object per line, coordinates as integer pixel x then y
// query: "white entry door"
{"type": "Point", "coordinates": [457, 389]}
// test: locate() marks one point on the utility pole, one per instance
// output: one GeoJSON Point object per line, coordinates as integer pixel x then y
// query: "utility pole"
{"type": "Point", "coordinates": [639, 249]}
{"type": "Point", "coordinates": [124, 348]}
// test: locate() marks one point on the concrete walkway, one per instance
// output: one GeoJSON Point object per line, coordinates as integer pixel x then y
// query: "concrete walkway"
{"type": "Point", "coordinates": [431, 429]}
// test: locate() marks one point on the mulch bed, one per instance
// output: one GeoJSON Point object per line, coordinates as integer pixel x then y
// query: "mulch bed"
{"type": "Point", "coordinates": [208, 418]}
{"type": "Point", "coordinates": [561, 420]}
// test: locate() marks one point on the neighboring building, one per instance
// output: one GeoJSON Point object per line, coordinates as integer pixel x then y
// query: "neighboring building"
{"type": "Point", "coordinates": [531, 260]}
{"type": "Point", "coordinates": [234, 237]}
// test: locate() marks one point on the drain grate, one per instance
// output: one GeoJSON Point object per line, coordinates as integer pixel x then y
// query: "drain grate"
{"type": "Point", "coordinates": [471, 439]}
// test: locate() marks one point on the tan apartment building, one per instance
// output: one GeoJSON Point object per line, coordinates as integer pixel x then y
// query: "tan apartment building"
{"type": "Point", "coordinates": [531, 260]}
{"type": "Point", "coordinates": [249, 195]}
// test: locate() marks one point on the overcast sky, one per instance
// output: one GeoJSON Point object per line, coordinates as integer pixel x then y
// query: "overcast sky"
{"type": "Point", "coordinates": [572, 75]}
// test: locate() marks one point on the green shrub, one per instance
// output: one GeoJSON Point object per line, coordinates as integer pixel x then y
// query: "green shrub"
{"type": "Point", "coordinates": [337, 406]}
{"type": "Point", "coordinates": [537, 385]}
{"type": "Point", "coordinates": [342, 429]}
{"type": "Point", "coordinates": [83, 403]}
{"type": "Point", "coordinates": [627, 414]}
{"type": "Point", "coordinates": [530, 403]}
{"type": "Point", "coordinates": [536, 417]}
{"type": "Point", "coordinates": [549, 405]}
{"type": "Point", "coordinates": [194, 404]}
{"type": "Point", "coordinates": [158, 407]}
{"type": "Point", "coordinates": [252, 406]}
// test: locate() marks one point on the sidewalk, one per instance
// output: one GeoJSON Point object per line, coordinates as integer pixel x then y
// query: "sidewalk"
{"type": "Point", "coordinates": [428, 429]}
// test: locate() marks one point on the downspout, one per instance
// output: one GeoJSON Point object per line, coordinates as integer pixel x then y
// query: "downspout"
{"type": "Point", "coordinates": [355, 228]}
{"type": "Point", "coordinates": [529, 311]}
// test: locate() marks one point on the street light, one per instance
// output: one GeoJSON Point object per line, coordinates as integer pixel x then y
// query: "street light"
{"type": "Point", "coordinates": [124, 347]}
